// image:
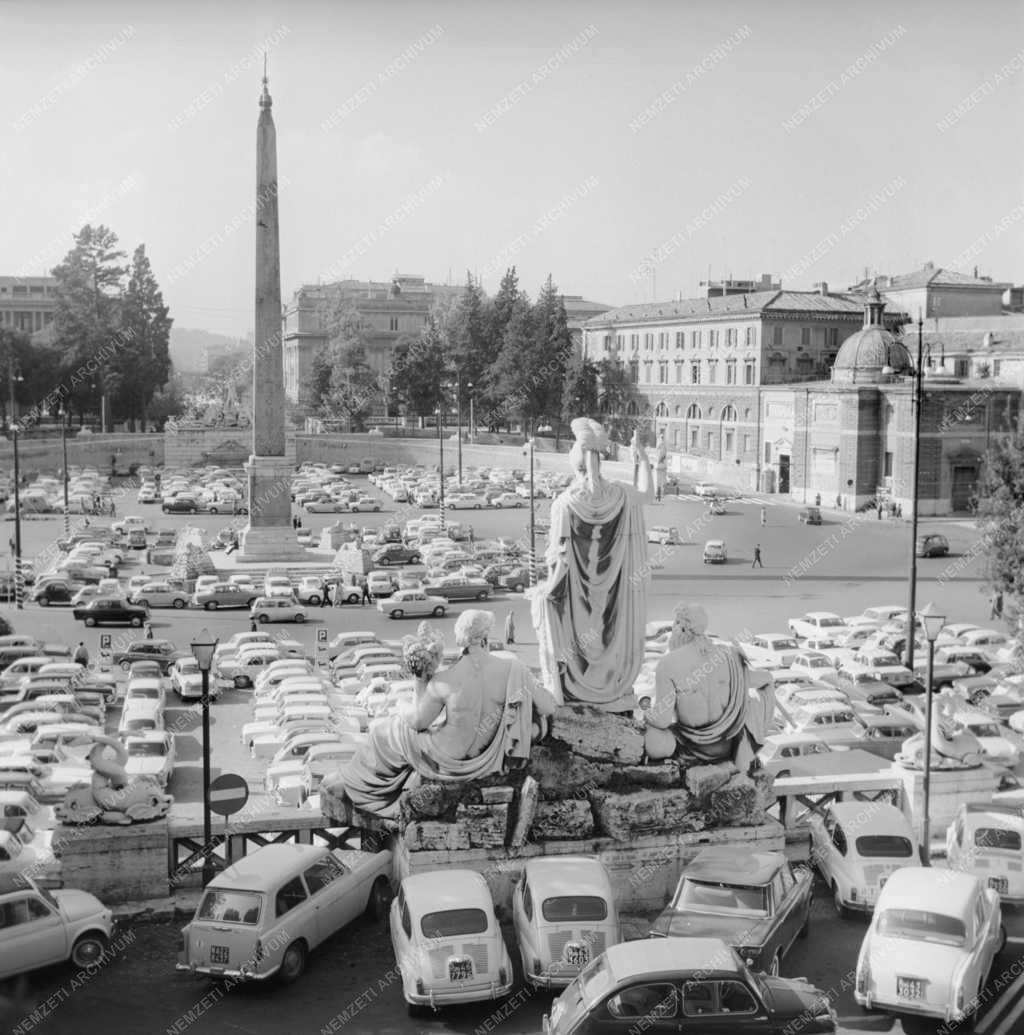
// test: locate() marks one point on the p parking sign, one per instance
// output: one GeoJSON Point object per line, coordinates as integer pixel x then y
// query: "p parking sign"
{"type": "Point", "coordinates": [105, 641]}
{"type": "Point", "coordinates": [321, 636]}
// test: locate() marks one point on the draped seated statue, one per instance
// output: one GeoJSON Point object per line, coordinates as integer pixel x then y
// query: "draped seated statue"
{"type": "Point", "coordinates": [466, 722]}
{"type": "Point", "coordinates": [707, 704]}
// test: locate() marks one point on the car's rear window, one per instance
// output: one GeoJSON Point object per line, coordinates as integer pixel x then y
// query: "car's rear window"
{"type": "Point", "coordinates": [450, 923]}
{"type": "Point", "coordinates": [919, 925]}
{"type": "Point", "coordinates": [230, 907]}
{"type": "Point", "coordinates": [574, 907]}
{"type": "Point", "coordinates": [723, 898]}
{"type": "Point", "coordinates": [994, 837]}
{"type": "Point", "coordinates": [888, 846]}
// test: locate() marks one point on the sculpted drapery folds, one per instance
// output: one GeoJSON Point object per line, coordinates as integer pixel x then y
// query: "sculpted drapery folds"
{"type": "Point", "coordinates": [590, 614]}
{"type": "Point", "coordinates": [488, 705]}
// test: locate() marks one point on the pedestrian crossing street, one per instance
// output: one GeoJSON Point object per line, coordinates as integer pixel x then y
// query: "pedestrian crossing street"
{"type": "Point", "coordinates": [690, 497]}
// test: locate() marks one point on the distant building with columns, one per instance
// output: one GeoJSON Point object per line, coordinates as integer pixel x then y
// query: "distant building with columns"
{"type": "Point", "coordinates": [27, 304]}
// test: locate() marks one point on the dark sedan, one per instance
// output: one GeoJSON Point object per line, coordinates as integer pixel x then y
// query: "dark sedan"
{"type": "Point", "coordinates": [396, 553]}
{"type": "Point", "coordinates": [459, 587]}
{"type": "Point", "coordinates": [756, 901]}
{"type": "Point", "coordinates": [696, 985]}
{"type": "Point", "coordinates": [57, 591]}
{"type": "Point", "coordinates": [181, 505]}
{"type": "Point", "coordinates": [111, 611]}
{"type": "Point", "coordinates": [163, 652]}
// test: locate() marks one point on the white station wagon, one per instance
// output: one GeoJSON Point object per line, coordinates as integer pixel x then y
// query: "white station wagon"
{"type": "Point", "coordinates": [988, 840]}
{"type": "Point", "coordinates": [931, 944]}
{"type": "Point", "coordinates": [565, 916]}
{"type": "Point", "coordinates": [263, 915]}
{"type": "Point", "coordinates": [447, 941]}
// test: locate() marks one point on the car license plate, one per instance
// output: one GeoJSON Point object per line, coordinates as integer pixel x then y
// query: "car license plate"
{"type": "Point", "coordinates": [909, 988]}
{"type": "Point", "coordinates": [460, 970]}
{"type": "Point", "coordinates": [999, 884]}
{"type": "Point", "coordinates": [219, 955]}
{"type": "Point", "coordinates": [577, 955]}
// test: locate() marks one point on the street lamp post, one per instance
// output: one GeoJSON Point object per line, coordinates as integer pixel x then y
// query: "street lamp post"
{"type": "Point", "coordinates": [533, 520]}
{"type": "Point", "coordinates": [440, 446]}
{"type": "Point", "coordinates": [933, 624]}
{"type": "Point", "coordinates": [912, 595]}
{"type": "Point", "coordinates": [458, 410]}
{"type": "Point", "coordinates": [472, 422]}
{"type": "Point", "coordinates": [64, 450]}
{"type": "Point", "coordinates": [19, 587]}
{"type": "Point", "coordinates": [202, 650]}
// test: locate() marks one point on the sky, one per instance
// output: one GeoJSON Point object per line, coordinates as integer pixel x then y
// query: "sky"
{"type": "Point", "coordinates": [630, 151]}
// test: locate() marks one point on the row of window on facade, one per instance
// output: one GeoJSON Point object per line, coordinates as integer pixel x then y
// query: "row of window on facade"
{"type": "Point", "coordinates": [28, 322]}
{"type": "Point", "coordinates": [731, 369]}
{"type": "Point", "coordinates": [713, 338]}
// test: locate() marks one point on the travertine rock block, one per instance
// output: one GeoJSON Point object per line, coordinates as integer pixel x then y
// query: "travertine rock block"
{"type": "Point", "coordinates": [563, 821]}
{"type": "Point", "coordinates": [701, 780]}
{"type": "Point", "coordinates": [429, 836]}
{"type": "Point", "coordinates": [561, 774]}
{"type": "Point", "coordinates": [486, 825]}
{"type": "Point", "coordinates": [737, 803]}
{"type": "Point", "coordinates": [626, 816]}
{"type": "Point", "coordinates": [596, 735]}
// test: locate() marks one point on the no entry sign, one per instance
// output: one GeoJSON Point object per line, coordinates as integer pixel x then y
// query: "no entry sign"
{"type": "Point", "coordinates": [228, 794]}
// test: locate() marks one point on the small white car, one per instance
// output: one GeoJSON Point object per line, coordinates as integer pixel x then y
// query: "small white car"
{"type": "Point", "coordinates": [46, 927]}
{"type": "Point", "coordinates": [714, 552]}
{"type": "Point", "coordinates": [781, 752]}
{"type": "Point", "coordinates": [263, 915]}
{"type": "Point", "coordinates": [996, 748]}
{"type": "Point", "coordinates": [277, 609]}
{"type": "Point", "coordinates": [817, 623]}
{"type": "Point", "coordinates": [565, 916]}
{"type": "Point", "coordinates": [25, 853]}
{"type": "Point", "coordinates": [141, 717]}
{"type": "Point", "coordinates": [856, 845]}
{"type": "Point", "coordinates": [187, 680]}
{"type": "Point", "coordinates": [244, 669]}
{"type": "Point", "coordinates": [152, 755]}
{"type": "Point", "coordinates": [930, 946]}
{"type": "Point", "coordinates": [777, 650]}
{"type": "Point", "coordinates": [412, 603]}
{"type": "Point", "coordinates": [814, 664]}
{"type": "Point", "coordinates": [160, 594]}
{"type": "Point", "coordinates": [278, 586]}
{"type": "Point", "coordinates": [988, 841]}
{"type": "Point", "coordinates": [310, 590]}
{"type": "Point", "coordinates": [447, 941]}
{"type": "Point", "coordinates": [507, 499]}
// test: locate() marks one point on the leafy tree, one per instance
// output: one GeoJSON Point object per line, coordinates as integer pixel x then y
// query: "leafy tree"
{"type": "Point", "coordinates": [344, 384]}
{"type": "Point", "coordinates": [146, 330]}
{"type": "Point", "coordinates": [87, 315]}
{"type": "Point", "coordinates": [581, 391]}
{"type": "Point", "coordinates": [169, 401]}
{"type": "Point", "coordinates": [615, 395]}
{"type": "Point", "coordinates": [1000, 516]}
{"type": "Point", "coordinates": [489, 403]}
{"type": "Point", "coordinates": [32, 367]}
{"type": "Point", "coordinates": [418, 372]}
{"type": "Point", "coordinates": [513, 375]}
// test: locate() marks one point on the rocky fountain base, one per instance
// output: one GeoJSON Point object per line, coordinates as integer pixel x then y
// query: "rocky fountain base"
{"type": "Point", "coordinates": [584, 792]}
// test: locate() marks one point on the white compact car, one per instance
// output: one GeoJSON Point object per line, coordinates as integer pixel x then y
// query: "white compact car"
{"type": "Point", "coordinates": [988, 841]}
{"type": "Point", "coordinates": [564, 914]}
{"type": "Point", "coordinates": [447, 941]}
{"type": "Point", "coordinates": [931, 945]}
{"type": "Point", "coordinates": [856, 845]}
{"type": "Point", "coordinates": [277, 609]}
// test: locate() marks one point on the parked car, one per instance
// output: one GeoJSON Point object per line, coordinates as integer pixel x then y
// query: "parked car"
{"type": "Point", "coordinates": [458, 587]}
{"type": "Point", "coordinates": [262, 916]}
{"type": "Point", "coordinates": [464, 501]}
{"type": "Point", "coordinates": [45, 927]}
{"type": "Point", "coordinates": [181, 503]}
{"type": "Point", "coordinates": [111, 611]}
{"type": "Point", "coordinates": [187, 679]}
{"type": "Point", "coordinates": [781, 752]}
{"type": "Point", "coordinates": [931, 546]}
{"type": "Point", "coordinates": [664, 535]}
{"type": "Point", "coordinates": [226, 595]}
{"type": "Point", "coordinates": [756, 897]}
{"type": "Point", "coordinates": [277, 609]}
{"type": "Point", "coordinates": [809, 516]}
{"type": "Point", "coordinates": [160, 594]}
{"type": "Point", "coordinates": [816, 623]}
{"type": "Point", "coordinates": [447, 940]}
{"type": "Point", "coordinates": [930, 946]}
{"type": "Point", "coordinates": [856, 847]}
{"type": "Point", "coordinates": [55, 591]}
{"type": "Point", "coordinates": [412, 603]}
{"type": "Point", "coordinates": [163, 652]}
{"type": "Point", "coordinates": [685, 985]}
{"type": "Point", "coordinates": [364, 503]}
{"type": "Point", "coordinates": [151, 755]}
{"type": "Point", "coordinates": [564, 914]}
{"type": "Point", "coordinates": [987, 840]}
{"type": "Point", "coordinates": [396, 553]}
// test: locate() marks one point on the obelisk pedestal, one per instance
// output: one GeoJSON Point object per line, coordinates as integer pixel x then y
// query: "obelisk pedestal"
{"type": "Point", "coordinates": [269, 536]}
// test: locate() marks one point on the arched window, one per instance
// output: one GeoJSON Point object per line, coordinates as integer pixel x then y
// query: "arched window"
{"type": "Point", "coordinates": [647, 409]}
{"type": "Point", "coordinates": [679, 410]}
{"type": "Point", "coordinates": [632, 410]}
{"type": "Point", "coordinates": [729, 414]}
{"type": "Point", "coordinates": [661, 410]}
{"type": "Point", "coordinates": [693, 413]}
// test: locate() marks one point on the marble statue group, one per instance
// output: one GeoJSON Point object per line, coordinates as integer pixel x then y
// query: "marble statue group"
{"type": "Point", "coordinates": [479, 716]}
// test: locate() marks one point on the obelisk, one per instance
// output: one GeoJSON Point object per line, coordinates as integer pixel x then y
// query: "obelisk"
{"type": "Point", "coordinates": [269, 536]}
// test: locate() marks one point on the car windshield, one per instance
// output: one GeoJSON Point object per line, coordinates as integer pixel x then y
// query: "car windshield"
{"type": "Point", "coordinates": [985, 729]}
{"type": "Point", "coordinates": [566, 908]}
{"type": "Point", "coordinates": [888, 846]}
{"type": "Point", "coordinates": [152, 693]}
{"type": "Point", "coordinates": [705, 897]}
{"type": "Point", "coordinates": [147, 750]}
{"type": "Point", "coordinates": [451, 923]}
{"type": "Point", "coordinates": [995, 837]}
{"type": "Point", "coordinates": [919, 925]}
{"type": "Point", "coordinates": [230, 907]}
{"type": "Point", "coordinates": [782, 645]}
{"type": "Point", "coordinates": [140, 725]}
{"type": "Point", "coordinates": [817, 663]}
{"type": "Point", "coordinates": [187, 667]}
{"type": "Point", "coordinates": [830, 623]}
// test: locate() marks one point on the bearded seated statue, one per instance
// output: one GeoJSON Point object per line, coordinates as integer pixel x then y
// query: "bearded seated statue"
{"type": "Point", "coordinates": [464, 723]}
{"type": "Point", "coordinates": [707, 704]}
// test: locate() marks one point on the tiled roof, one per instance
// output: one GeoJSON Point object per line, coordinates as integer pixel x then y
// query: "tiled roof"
{"type": "Point", "coordinates": [969, 341]}
{"type": "Point", "coordinates": [731, 305]}
{"type": "Point", "coordinates": [929, 276]}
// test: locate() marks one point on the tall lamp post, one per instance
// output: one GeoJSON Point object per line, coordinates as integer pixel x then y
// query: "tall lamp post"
{"type": "Point", "coordinates": [533, 519]}
{"type": "Point", "coordinates": [912, 596]}
{"type": "Point", "coordinates": [19, 586]}
{"type": "Point", "coordinates": [458, 411]}
{"type": "Point", "coordinates": [472, 422]}
{"type": "Point", "coordinates": [64, 450]}
{"type": "Point", "coordinates": [440, 446]}
{"type": "Point", "coordinates": [203, 647]}
{"type": "Point", "coordinates": [933, 624]}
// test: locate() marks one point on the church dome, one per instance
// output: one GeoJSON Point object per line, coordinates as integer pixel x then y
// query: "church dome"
{"type": "Point", "coordinates": [872, 354]}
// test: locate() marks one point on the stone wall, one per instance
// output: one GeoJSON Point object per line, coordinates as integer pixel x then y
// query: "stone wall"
{"type": "Point", "coordinates": [99, 451]}
{"type": "Point", "coordinates": [117, 864]}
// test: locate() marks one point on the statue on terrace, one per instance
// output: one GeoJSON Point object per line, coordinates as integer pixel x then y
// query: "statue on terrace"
{"type": "Point", "coordinates": [707, 704]}
{"type": "Point", "coordinates": [590, 613]}
{"type": "Point", "coordinates": [465, 722]}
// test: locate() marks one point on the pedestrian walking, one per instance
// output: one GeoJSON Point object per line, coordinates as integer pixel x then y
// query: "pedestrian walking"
{"type": "Point", "coordinates": [295, 522]}
{"type": "Point", "coordinates": [325, 597]}
{"type": "Point", "coordinates": [764, 516]}
{"type": "Point", "coordinates": [367, 599]}
{"type": "Point", "coordinates": [817, 500]}
{"type": "Point", "coordinates": [253, 627]}
{"type": "Point", "coordinates": [839, 502]}
{"type": "Point", "coordinates": [81, 654]}
{"type": "Point", "coordinates": [113, 508]}
{"type": "Point", "coordinates": [510, 628]}
{"type": "Point", "coordinates": [149, 630]}
{"type": "Point", "coordinates": [997, 605]}
{"type": "Point", "coordinates": [879, 511]}
{"type": "Point", "coordinates": [757, 562]}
